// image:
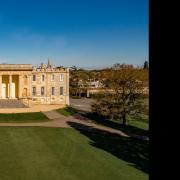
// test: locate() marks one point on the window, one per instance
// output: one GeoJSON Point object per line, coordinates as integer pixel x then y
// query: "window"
{"type": "Point", "coordinates": [52, 77]}
{"type": "Point", "coordinates": [42, 91]}
{"type": "Point", "coordinates": [34, 91]}
{"type": "Point", "coordinates": [43, 77]}
{"type": "Point", "coordinates": [53, 93]}
{"type": "Point", "coordinates": [61, 90]}
{"type": "Point", "coordinates": [34, 77]}
{"type": "Point", "coordinates": [61, 77]}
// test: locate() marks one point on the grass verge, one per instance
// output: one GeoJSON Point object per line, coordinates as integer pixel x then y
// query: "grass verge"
{"type": "Point", "coordinates": [23, 117]}
{"type": "Point", "coordinates": [67, 111]}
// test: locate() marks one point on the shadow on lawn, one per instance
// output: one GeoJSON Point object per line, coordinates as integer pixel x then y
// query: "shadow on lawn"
{"type": "Point", "coordinates": [114, 124]}
{"type": "Point", "coordinates": [129, 149]}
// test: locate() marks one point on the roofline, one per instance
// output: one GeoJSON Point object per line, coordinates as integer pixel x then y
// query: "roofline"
{"type": "Point", "coordinates": [14, 64]}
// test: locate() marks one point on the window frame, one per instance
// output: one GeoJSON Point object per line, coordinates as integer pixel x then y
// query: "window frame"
{"type": "Point", "coordinates": [34, 79]}
{"type": "Point", "coordinates": [61, 91]}
{"type": "Point", "coordinates": [61, 78]}
{"type": "Point", "coordinates": [42, 80]}
{"type": "Point", "coordinates": [53, 91]}
{"type": "Point", "coordinates": [42, 87]}
{"type": "Point", "coordinates": [34, 92]}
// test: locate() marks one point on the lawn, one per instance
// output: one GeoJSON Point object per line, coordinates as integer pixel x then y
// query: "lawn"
{"type": "Point", "coordinates": [136, 125]}
{"type": "Point", "coordinates": [40, 153]}
{"type": "Point", "coordinates": [67, 111]}
{"type": "Point", "coordinates": [139, 124]}
{"type": "Point", "coordinates": [23, 117]}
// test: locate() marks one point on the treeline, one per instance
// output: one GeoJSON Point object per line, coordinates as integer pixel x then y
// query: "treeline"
{"type": "Point", "coordinates": [80, 78]}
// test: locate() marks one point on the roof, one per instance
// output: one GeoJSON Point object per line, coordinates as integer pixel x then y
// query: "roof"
{"type": "Point", "coordinates": [13, 67]}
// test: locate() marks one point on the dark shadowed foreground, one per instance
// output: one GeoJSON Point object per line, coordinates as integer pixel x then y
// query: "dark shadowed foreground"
{"type": "Point", "coordinates": [128, 149]}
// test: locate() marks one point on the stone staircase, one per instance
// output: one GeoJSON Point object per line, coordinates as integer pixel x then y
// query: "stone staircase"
{"type": "Point", "coordinates": [11, 103]}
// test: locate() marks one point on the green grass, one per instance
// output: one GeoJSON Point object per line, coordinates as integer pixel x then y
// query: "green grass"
{"type": "Point", "coordinates": [67, 111]}
{"type": "Point", "coordinates": [37, 153]}
{"type": "Point", "coordinates": [136, 125]}
{"type": "Point", "coordinates": [76, 97]}
{"type": "Point", "coordinates": [23, 117]}
{"type": "Point", "coordinates": [139, 124]}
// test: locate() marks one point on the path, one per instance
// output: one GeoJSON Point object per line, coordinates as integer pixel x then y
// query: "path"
{"type": "Point", "coordinates": [83, 104]}
{"type": "Point", "coordinates": [58, 120]}
{"type": "Point", "coordinates": [34, 108]}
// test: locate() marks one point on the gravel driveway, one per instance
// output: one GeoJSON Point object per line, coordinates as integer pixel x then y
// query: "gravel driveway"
{"type": "Point", "coordinates": [83, 104]}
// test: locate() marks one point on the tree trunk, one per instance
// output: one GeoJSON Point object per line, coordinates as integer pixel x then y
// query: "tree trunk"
{"type": "Point", "coordinates": [124, 120]}
{"type": "Point", "coordinates": [76, 93]}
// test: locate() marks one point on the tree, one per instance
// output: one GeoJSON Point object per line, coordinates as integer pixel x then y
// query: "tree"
{"type": "Point", "coordinates": [124, 93]}
{"type": "Point", "coordinates": [78, 80]}
{"type": "Point", "coordinates": [146, 65]}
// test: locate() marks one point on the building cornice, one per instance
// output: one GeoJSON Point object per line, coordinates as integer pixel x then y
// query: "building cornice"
{"type": "Point", "coordinates": [16, 67]}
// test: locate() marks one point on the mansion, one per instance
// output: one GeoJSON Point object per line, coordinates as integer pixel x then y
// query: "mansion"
{"type": "Point", "coordinates": [34, 85]}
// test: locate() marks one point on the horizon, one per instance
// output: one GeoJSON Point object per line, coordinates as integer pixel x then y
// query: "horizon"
{"type": "Point", "coordinates": [96, 67]}
{"type": "Point", "coordinates": [82, 33]}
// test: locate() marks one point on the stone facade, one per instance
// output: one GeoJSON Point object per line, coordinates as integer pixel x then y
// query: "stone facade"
{"type": "Point", "coordinates": [34, 85]}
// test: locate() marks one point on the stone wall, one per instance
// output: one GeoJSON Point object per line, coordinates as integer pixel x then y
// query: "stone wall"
{"type": "Point", "coordinates": [48, 83]}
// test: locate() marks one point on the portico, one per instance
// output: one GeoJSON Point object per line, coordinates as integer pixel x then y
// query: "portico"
{"type": "Point", "coordinates": [12, 77]}
{"type": "Point", "coordinates": [9, 86]}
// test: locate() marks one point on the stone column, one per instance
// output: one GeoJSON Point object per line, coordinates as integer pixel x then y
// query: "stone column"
{"type": "Point", "coordinates": [10, 82]}
{"type": "Point", "coordinates": [20, 87]}
{"type": "Point", "coordinates": [0, 86]}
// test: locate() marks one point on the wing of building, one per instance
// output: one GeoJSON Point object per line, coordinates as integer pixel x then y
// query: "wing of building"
{"type": "Point", "coordinates": [34, 85]}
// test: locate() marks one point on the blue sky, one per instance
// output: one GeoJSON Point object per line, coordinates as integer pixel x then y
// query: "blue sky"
{"type": "Point", "coordinates": [85, 33]}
